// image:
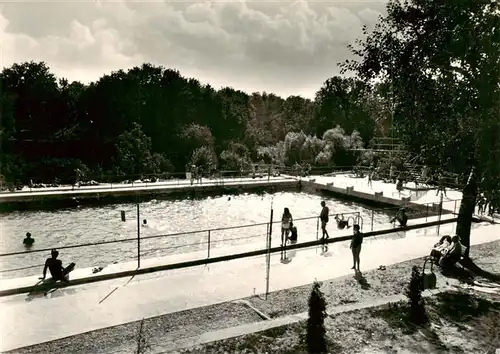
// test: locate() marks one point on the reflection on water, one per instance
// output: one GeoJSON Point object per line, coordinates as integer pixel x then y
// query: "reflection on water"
{"type": "Point", "coordinates": [185, 217]}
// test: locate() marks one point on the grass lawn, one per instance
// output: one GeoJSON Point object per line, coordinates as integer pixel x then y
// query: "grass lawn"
{"type": "Point", "coordinates": [459, 322]}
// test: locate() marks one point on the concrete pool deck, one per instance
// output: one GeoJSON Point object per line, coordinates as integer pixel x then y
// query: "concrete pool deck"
{"type": "Point", "coordinates": [153, 188]}
{"type": "Point", "coordinates": [343, 184]}
{"type": "Point", "coordinates": [78, 309]}
{"type": "Point", "coordinates": [379, 191]}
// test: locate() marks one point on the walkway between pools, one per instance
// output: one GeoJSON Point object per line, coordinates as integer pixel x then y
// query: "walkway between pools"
{"type": "Point", "coordinates": [77, 309]}
{"type": "Point", "coordinates": [385, 192]}
{"type": "Point", "coordinates": [142, 186]}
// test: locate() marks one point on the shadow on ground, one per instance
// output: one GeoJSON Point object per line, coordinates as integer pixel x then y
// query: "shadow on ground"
{"type": "Point", "coordinates": [362, 281]}
{"type": "Point", "coordinates": [471, 266]}
{"type": "Point", "coordinates": [461, 310]}
{"type": "Point", "coordinates": [461, 307]}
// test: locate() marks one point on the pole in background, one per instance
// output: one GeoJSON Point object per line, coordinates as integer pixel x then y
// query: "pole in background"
{"type": "Point", "coordinates": [373, 215]}
{"type": "Point", "coordinates": [267, 237]}
{"type": "Point", "coordinates": [317, 229]}
{"type": "Point", "coordinates": [268, 269]}
{"type": "Point", "coordinates": [138, 238]}
{"type": "Point", "coordinates": [317, 233]}
{"type": "Point", "coordinates": [123, 215]}
{"type": "Point", "coordinates": [208, 244]}
{"type": "Point", "coordinates": [440, 211]}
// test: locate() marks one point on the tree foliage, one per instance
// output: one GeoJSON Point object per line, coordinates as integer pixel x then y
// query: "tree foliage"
{"type": "Point", "coordinates": [440, 62]}
{"type": "Point", "coordinates": [416, 305]}
{"type": "Point", "coordinates": [316, 332]}
{"type": "Point", "coordinates": [150, 119]}
{"type": "Point", "coordinates": [334, 148]}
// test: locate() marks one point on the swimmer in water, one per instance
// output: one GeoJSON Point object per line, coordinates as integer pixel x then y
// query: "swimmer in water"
{"type": "Point", "coordinates": [401, 217]}
{"type": "Point", "coordinates": [28, 241]}
{"type": "Point", "coordinates": [341, 223]}
{"type": "Point", "coordinates": [144, 223]}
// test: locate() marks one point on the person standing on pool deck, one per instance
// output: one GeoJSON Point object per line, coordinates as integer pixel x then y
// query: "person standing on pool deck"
{"type": "Point", "coordinates": [357, 240]}
{"type": "Point", "coordinates": [324, 219]}
{"type": "Point", "coordinates": [286, 224]}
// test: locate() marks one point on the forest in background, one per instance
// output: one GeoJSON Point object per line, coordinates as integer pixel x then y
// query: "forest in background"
{"type": "Point", "coordinates": [152, 120]}
{"type": "Point", "coordinates": [427, 74]}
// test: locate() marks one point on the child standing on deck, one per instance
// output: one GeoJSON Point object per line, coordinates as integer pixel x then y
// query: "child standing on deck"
{"type": "Point", "coordinates": [356, 242]}
{"type": "Point", "coordinates": [286, 224]}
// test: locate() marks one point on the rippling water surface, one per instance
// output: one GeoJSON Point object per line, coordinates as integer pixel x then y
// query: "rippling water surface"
{"type": "Point", "coordinates": [95, 224]}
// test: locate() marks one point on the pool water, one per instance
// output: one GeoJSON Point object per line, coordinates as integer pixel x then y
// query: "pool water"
{"type": "Point", "coordinates": [52, 229]}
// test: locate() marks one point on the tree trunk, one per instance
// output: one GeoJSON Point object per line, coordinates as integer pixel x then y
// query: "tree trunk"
{"type": "Point", "coordinates": [466, 211]}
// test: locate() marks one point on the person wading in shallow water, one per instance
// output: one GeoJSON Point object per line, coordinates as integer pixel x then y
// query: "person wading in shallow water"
{"type": "Point", "coordinates": [356, 242]}
{"type": "Point", "coordinates": [323, 216]}
{"type": "Point", "coordinates": [28, 241]}
{"type": "Point", "coordinates": [341, 223]}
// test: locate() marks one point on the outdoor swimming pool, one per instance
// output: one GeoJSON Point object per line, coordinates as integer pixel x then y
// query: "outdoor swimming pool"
{"type": "Point", "coordinates": [182, 217]}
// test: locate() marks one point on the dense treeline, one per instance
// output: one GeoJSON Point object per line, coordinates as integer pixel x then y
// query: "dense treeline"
{"type": "Point", "coordinates": [152, 120]}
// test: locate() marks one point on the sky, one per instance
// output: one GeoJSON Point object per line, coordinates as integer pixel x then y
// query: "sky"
{"type": "Point", "coordinates": [283, 47]}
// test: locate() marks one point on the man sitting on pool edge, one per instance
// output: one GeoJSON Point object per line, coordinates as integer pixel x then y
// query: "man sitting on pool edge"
{"type": "Point", "coordinates": [56, 269]}
{"type": "Point", "coordinates": [401, 218]}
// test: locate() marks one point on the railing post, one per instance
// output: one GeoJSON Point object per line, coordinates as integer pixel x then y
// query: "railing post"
{"type": "Point", "coordinates": [208, 244]}
{"type": "Point", "coordinates": [373, 215]}
{"type": "Point", "coordinates": [455, 208]}
{"type": "Point", "coordinates": [440, 212]}
{"type": "Point", "coordinates": [317, 228]}
{"type": "Point", "coordinates": [138, 238]}
{"type": "Point", "coordinates": [426, 211]}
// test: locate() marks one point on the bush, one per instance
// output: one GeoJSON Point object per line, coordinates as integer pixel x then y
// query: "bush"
{"type": "Point", "coordinates": [315, 337]}
{"type": "Point", "coordinates": [413, 292]}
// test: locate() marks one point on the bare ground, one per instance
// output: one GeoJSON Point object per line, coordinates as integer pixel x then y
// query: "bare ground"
{"type": "Point", "coordinates": [161, 330]}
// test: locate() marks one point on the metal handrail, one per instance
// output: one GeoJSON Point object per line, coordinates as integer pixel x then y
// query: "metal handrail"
{"type": "Point", "coordinates": [204, 261]}
{"type": "Point", "coordinates": [356, 216]}
{"type": "Point", "coordinates": [158, 236]}
{"type": "Point", "coordinates": [177, 234]}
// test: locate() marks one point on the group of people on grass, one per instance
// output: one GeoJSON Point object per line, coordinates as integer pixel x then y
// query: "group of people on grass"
{"type": "Point", "coordinates": [488, 205]}
{"type": "Point", "coordinates": [447, 251]}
